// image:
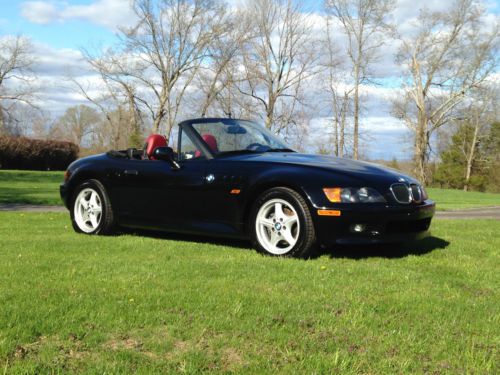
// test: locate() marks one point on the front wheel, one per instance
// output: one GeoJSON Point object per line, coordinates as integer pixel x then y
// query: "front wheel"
{"type": "Point", "coordinates": [282, 224]}
{"type": "Point", "coordinates": [91, 210]}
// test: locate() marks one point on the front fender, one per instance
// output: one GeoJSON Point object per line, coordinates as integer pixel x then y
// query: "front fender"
{"type": "Point", "coordinates": [307, 181]}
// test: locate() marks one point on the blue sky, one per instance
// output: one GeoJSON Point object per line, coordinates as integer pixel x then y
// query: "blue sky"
{"type": "Point", "coordinates": [72, 33]}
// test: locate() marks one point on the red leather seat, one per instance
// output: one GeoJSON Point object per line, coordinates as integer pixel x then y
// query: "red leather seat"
{"type": "Point", "coordinates": [152, 142]}
{"type": "Point", "coordinates": [211, 142]}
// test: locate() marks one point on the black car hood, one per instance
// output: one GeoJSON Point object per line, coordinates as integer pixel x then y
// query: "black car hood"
{"type": "Point", "coordinates": [354, 168]}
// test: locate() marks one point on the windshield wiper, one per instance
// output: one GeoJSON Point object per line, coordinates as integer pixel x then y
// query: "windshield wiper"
{"type": "Point", "coordinates": [280, 150]}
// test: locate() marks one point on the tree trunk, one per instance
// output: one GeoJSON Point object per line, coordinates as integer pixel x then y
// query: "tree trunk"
{"type": "Point", "coordinates": [270, 114]}
{"type": "Point", "coordinates": [470, 156]}
{"type": "Point", "coordinates": [356, 106]}
{"type": "Point", "coordinates": [336, 135]}
{"type": "Point", "coordinates": [345, 105]}
{"type": "Point", "coordinates": [2, 121]}
{"type": "Point", "coordinates": [421, 148]}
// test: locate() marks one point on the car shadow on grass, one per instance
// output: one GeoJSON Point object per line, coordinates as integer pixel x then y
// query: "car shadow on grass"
{"type": "Point", "coordinates": [390, 251]}
{"type": "Point", "coordinates": [196, 238]}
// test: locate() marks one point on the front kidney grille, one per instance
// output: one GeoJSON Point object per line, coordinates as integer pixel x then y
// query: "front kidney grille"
{"type": "Point", "coordinates": [401, 193]}
{"type": "Point", "coordinates": [416, 193]}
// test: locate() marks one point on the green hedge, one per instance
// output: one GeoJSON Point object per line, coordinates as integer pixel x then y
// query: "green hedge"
{"type": "Point", "coordinates": [35, 154]}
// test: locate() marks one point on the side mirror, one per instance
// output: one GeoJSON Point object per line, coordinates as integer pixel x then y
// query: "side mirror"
{"type": "Point", "coordinates": [166, 154]}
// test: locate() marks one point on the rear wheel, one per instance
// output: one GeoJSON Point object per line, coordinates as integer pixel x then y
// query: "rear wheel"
{"type": "Point", "coordinates": [282, 225]}
{"type": "Point", "coordinates": [91, 210]}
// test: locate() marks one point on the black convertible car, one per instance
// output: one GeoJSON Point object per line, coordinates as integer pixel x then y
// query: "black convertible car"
{"type": "Point", "coordinates": [233, 178]}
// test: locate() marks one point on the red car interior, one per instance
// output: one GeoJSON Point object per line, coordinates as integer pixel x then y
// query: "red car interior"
{"type": "Point", "coordinates": [152, 142]}
{"type": "Point", "coordinates": [211, 142]}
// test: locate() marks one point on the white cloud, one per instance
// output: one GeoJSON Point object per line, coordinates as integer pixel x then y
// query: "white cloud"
{"type": "Point", "coordinates": [107, 13]}
{"type": "Point", "coordinates": [39, 12]}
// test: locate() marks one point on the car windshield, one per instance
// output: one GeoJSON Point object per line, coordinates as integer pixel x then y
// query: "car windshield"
{"type": "Point", "coordinates": [232, 136]}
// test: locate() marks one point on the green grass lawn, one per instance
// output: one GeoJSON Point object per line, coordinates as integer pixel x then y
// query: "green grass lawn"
{"type": "Point", "coordinates": [43, 188]}
{"type": "Point", "coordinates": [449, 199]}
{"type": "Point", "coordinates": [136, 303]}
{"type": "Point", "coordinates": [34, 187]}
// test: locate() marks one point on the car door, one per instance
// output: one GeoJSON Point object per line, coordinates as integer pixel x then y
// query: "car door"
{"type": "Point", "coordinates": [150, 193]}
{"type": "Point", "coordinates": [224, 182]}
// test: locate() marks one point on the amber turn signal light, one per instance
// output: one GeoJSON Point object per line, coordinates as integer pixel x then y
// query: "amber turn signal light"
{"type": "Point", "coordinates": [67, 175]}
{"type": "Point", "coordinates": [329, 212]}
{"type": "Point", "coordinates": [333, 194]}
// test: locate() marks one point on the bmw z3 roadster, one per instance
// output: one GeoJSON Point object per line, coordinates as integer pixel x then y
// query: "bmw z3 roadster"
{"type": "Point", "coordinates": [233, 178]}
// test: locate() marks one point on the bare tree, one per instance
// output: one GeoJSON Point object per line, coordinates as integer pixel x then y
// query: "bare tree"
{"type": "Point", "coordinates": [115, 108]}
{"type": "Point", "coordinates": [169, 44]}
{"type": "Point", "coordinates": [448, 55]}
{"type": "Point", "coordinates": [277, 60]}
{"type": "Point", "coordinates": [216, 78]}
{"type": "Point", "coordinates": [112, 68]}
{"type": "Point", "coordinates": [481, 111]}
{"type": "Point", "coordinates": [340, 94]}
{"type": "Point", "coordinates": [364, 22]}
{"type": "Point", "coordinates": [16, 75]}
{"type": "Point", "coordinates": [77, 124]}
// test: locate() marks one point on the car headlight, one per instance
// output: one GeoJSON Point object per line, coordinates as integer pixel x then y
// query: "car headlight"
{"type": "Point", "coordinates": [353, 195]}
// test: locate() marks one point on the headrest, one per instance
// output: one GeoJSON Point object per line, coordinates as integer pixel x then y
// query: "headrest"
{"type": "Point", "coordinates": [152, 142]}
{"type": "Point", "coordinates": [211, 141]}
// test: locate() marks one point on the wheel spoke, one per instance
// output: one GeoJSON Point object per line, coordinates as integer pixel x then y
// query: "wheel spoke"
{"type": "Point", "coordinates": [93, 220]}
{"type": "Point", "coordinates": [94, 199]}
{"type": "Point", "coordinates": [97, 210]}
{"type": "Point", "coordinates": [278, 210]}
{"type": "Point", "coordinates": [266, 222]}
{"type": "Point", "coordinates": [274, 239]}
{"type": "Point", "coordinates": [287, 236]}
{"type": "Point", "coordinates": [82, 206]}
{"type": "Point", "coordinates": [290, 220]}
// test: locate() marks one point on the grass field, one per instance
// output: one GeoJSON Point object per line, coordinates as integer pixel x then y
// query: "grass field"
{"type": "Point", "coordinates": [149, 304]}
{"type": "Point", "coordinates": [34, 187]}
{"type": "Point", "coordinates": [43, 188]}
{"type": "Point", "coordinates": [449, 199]}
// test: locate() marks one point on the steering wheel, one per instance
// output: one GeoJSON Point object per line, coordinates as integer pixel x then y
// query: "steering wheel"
{"type": "Point", "coordinates": [254, 146]}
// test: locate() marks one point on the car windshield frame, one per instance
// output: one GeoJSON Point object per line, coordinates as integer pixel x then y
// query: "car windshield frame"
{"type": "Point", "coordinates": [272, 142]}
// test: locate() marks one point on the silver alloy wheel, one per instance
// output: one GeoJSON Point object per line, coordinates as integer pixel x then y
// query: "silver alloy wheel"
{"type": "Point", "coordinates": [277, 226]}
{"type": "Point", "coordinates": [88, 210]}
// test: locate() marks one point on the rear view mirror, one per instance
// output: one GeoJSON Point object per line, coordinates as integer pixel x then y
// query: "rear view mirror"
{"type": "Point", "coordinates": [166, 154]}
{"type": "Point", "coordinates": [236, 129]}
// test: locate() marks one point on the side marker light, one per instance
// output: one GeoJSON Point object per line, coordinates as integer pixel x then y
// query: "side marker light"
{"type": "Point", "coordinates": [329, 212]}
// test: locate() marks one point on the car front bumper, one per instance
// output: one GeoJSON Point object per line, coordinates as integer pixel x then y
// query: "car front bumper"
{"type": "Point", "coordinates": [365, 224]}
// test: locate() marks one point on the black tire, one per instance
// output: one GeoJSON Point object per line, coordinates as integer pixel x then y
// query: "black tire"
{"type": "Point", "coordinates": [107, 220]}
{"type": "Point", "coordinates": [306, 240]}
